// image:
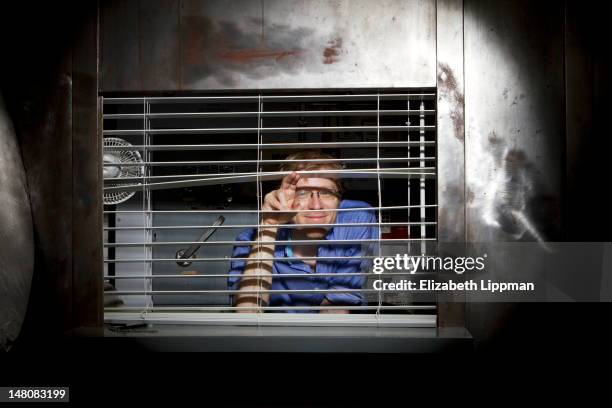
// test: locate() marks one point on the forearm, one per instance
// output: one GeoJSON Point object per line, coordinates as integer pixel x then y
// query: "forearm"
{"type": "Point", "coordinates": [259, 262]}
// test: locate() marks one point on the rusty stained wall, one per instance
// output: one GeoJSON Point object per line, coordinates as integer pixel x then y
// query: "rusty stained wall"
{"type": "Point", "coordinates": [194, 45]}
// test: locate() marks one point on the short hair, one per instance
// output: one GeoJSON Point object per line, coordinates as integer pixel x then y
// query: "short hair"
{"type": "Point", "coordinates": [292, 163]}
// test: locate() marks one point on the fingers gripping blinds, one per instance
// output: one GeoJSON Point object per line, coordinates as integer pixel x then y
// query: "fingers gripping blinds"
{"type": "Point", "coordinates": [307, 190]}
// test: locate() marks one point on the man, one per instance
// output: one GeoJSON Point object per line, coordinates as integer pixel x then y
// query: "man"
{"type": "Point", "coordinates": [304, 200]}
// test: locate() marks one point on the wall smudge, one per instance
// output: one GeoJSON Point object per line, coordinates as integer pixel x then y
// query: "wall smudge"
{"type": "Point", "coordinates": [225, 50]}
{"type": "Point", "coordinates": [511, 192]}
{"type": "Point", "coordinates": [449, 90]}
{"type": "Point", "coordinates": [244, 56]}
{"type": "Point", "coordinates": [331, 53]}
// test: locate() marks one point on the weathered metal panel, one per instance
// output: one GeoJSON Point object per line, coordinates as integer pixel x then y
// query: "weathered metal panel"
{"type": "Point", "coordinates": [308, 44]}
{"type": "Point", "coordinates": [451, 152]}
{"type": "Point", "coordinates": [16, 235]}
{"type": "Point", "coordinates": [451, 122]}
{"type": "Point", "coordinates": [267, 44]}
{"type": "Point", "coordinates": [514, 89]}
{"type": "Point", "coordinates": [86, 178]}
{"type": "Point", "coordinates": [514, 136]}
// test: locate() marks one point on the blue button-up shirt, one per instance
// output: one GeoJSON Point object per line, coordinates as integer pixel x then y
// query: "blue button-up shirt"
{"type": "Point", "coordinates": [324, 266]}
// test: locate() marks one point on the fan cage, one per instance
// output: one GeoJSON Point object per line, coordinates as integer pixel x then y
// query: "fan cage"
{"type": "Point", "coordinates": [123, 157]}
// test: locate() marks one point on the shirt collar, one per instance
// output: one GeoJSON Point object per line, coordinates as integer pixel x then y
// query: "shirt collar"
{"type": "Point", "coordinates": [288, 250]}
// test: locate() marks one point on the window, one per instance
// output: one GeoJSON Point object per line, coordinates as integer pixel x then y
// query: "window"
{"type": "Point", "coordinates": [183, 176]}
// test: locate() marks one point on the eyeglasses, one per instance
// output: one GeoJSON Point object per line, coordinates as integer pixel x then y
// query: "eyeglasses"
{"type": "Point", "coordinates": [303, 195]}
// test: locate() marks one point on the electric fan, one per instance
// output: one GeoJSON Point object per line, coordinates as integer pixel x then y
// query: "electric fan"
{"type": "Point", "coordinates": [115, 169]}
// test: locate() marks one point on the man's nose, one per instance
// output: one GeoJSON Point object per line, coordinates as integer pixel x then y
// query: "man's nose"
{"type": "Point", "coordinates": [315, 201]}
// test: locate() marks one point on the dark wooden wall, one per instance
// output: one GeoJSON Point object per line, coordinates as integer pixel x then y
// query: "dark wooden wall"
{"type": "Point", "coordinates": [49, 79]}
{"type": "Point", "coordinates": [588, 64]}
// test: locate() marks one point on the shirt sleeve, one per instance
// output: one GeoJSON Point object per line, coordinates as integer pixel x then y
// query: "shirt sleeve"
{"type": "Point", "coordinates": [358, 265]}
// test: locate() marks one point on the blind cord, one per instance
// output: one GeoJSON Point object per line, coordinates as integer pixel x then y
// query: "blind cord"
{"type": "Point", "coordinates": [379, 193]}
{"type": "Point", "coordinates": [259, 188]}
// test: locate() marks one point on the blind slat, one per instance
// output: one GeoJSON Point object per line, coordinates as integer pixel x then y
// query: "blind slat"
{"type": "Point", "coordinates": [203, 115]}
{"type": "Point", "coordinates": [269, 146]}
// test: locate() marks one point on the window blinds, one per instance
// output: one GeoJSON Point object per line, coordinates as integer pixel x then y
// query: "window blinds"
{"type": "Point", "coordinates": [193, 159]}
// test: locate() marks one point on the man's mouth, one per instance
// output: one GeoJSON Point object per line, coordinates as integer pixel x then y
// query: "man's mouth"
{"type": "Point", "coordinates": [316, 217]}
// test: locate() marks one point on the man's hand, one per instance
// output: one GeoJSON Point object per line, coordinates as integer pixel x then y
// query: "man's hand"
{"type": "Point", "coordinates": [281, 200]}
{"type": "Point", "coordinates": [326, 302]}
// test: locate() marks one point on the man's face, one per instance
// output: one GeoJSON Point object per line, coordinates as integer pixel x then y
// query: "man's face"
{"type": "Point", "coordinates": [319, 195]}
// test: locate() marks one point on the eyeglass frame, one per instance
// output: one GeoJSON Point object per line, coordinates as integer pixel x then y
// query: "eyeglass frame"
{"type": "Point", "coordinates": [305, 199]}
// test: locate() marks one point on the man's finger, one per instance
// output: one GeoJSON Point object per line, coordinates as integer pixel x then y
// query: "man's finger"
{"type": "Point", "coordinates": [290, 181]}
{"type": "Point", "coordinates": [283, 200]}
{"type": "Point", "coordinates": [274, 203]}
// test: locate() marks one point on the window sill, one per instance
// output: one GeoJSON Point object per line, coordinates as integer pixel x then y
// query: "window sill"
{"type": "Point", "coordinates": [202, 338]}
